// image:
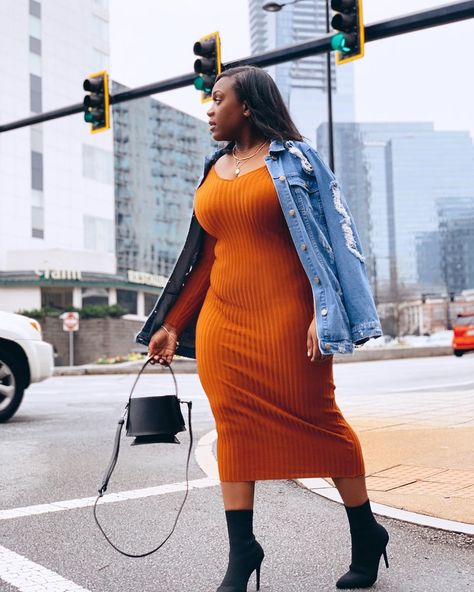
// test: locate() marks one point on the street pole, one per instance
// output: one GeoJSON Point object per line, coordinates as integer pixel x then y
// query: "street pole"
{"type": "Point", "coordinates": [329, 92]}
{"type": "Point", "coordinates": [71, 348]}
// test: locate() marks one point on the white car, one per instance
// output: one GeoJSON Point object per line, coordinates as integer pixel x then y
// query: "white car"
{"type": "Point", "coordinates": [24, 358]}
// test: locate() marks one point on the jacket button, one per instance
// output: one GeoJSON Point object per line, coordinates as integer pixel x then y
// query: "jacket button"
{"type": "Point", "coordinates": [316, 279]}
{"type": "Point", "coordinates": [324, 312]}
{"type": "Point", "coordinates": [281, 178]}
{"type": "Point", "coordinates": [303, 247]}
{"type": "Point", "coordinates": [327, 346]}
{"type": "Point", "coordinates": [292, 212]}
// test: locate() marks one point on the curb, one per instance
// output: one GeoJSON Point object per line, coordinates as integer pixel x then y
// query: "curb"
{"type": "Point", "coordinates": [207, 462]}
{"type": "Point", "coordinates": [188, 365]}
{"type": "Point", "coordinates": [324, 489]}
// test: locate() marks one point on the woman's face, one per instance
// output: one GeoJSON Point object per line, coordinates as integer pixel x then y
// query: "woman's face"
{"type": "Point", "coordinates": [227, 115]}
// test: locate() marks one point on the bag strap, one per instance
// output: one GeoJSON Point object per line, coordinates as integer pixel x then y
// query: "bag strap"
{"type": "Point", "coordinates": [113, 462]}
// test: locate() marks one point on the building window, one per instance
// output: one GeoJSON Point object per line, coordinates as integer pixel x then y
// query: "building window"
{"type": "Point", "coordinates": [59, 298]}
{"type": "Point", "coordinates": [98, 234]}
{"type": "Point", "coordinates": [97, 164]}
{"type": "Point", "coordinates": [37, 222]}
{"type": "Point", "coordinates": [36, 138]}
{"type": "Point", "coordinates": [127, 299]}
{"type": "Point", "coordinates": [35, 8]}
{"type": "Point", "coordinates": [34, 27]}
{"type": "Point", "coordinates": [36, 102]}
{"type": "Point", "coordinates": [94, 296]}
{"type": "Point", "coordinates": [36, 171]}
{"type": "Point", "coordinates": [35, 45]}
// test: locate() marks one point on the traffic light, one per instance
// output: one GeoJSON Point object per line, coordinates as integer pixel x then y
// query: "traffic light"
{"type": "Point", "coordinates": [348, 19]}
{"type": "Point", "coordinates": [208, 66]}
{"type": "Point", "coordinates": [96, 104]}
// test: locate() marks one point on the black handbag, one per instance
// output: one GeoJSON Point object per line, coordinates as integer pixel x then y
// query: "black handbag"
{"type": "Point", "coordinates": [150, 420]}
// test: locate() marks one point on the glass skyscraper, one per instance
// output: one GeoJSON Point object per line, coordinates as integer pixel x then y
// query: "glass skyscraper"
{"type": "Point", "coordinates": [401, 181]}
{"type": "Point", "coordinates": [303, 83]}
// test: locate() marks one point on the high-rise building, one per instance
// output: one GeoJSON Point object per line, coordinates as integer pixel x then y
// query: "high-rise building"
{"type": "Point", "coordinates": [56, 179]}
{"type": "Point", "coordinates": [399, 178]}
{"type": "Point", "coordinates": [303, 83]}
{"type": "Point", "coordinates": [85, 219]}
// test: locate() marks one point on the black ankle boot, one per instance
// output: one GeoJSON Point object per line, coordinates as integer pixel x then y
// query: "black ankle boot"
{"type": "Point", "coordinates": [245, 555]}
{"type": "Point", "coordinates": [369, 542]}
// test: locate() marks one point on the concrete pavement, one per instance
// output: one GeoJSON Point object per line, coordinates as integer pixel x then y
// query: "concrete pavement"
{"type": "Point", "coordinates": [417, 441]}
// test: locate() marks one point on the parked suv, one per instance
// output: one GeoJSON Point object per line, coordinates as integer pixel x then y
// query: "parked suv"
{"type": "Point", "coordinates": [24, 358]}
{"type": "Point", "coordinates": [463, 334]}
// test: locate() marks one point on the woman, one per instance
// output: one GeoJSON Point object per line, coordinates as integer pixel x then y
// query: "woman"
{"type": "Point", "coordinates": [279, 286]}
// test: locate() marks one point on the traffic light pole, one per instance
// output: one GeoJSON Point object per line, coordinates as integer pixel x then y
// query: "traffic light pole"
{"type": "Point", "coordinates": [416, 21]}
{"type": "Point", "coordinates": [329, 93]}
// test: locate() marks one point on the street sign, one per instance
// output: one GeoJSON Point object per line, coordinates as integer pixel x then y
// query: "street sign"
{"type": "Point", "coordinates": [70, 321]}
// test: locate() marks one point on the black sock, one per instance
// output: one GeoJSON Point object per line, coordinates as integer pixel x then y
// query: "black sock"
{"type": "Point", "coordinates": [360, 517]}
{"type": "Point", "coordinates": [240, 528]}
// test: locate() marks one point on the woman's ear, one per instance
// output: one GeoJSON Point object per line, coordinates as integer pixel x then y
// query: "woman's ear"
{"type": "Point", "coordinates": [245, 110]}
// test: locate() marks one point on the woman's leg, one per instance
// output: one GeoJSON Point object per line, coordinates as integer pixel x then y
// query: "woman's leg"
{"type": "Point", "coordinates": [369, 538]}
{"type": "Point", "coordinates": [353, 490]}
{"type": "Point", "coordinates": [238, 495]}
{"type": "Point", "coordinates": [245, 554]}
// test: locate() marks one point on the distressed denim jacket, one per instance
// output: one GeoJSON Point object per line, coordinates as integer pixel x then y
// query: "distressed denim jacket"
{"type": "Point", "coordinates": [327, 242]}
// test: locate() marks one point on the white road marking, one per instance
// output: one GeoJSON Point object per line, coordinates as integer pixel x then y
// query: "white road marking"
{"type": "Point", "coordinates": [31, 577]}
{"type": "Point", "coordinates": [204, 457]}
{"type": "Point", "coordinates": [85, 502]}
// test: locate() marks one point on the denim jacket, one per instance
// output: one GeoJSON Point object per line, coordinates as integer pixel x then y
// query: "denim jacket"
{"type": "Point", "coordinates": [327, 242]}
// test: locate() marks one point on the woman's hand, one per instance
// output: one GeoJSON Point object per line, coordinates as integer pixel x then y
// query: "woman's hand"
{"type": "Point", "coordinates": [312, 343]}
{"type": "Point", "coordinates": [162, 346]}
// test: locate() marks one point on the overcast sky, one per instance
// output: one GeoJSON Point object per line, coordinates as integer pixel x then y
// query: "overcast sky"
{"type": "Point", "coordinates": [423, 76]}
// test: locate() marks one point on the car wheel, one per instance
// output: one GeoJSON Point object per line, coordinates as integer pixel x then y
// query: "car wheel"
{"type": "Point", "coordinates": [458, 353]}
{"type": "Point", "coordinates": [11, 386]}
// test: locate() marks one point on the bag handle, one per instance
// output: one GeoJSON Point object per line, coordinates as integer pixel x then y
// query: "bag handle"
{"type": "Point", "coordinates": [150, 360]}
{"type": "Point", "coordinates": [113, 462]}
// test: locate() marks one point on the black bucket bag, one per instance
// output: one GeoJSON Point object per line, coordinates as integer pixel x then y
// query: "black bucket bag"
{"type": "Point", "coordinates": [149, 420]}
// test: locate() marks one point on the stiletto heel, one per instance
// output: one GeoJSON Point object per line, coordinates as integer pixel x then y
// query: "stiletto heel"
{"type": "Point", "coordinates": [258, 575]}
{"type": "Point", "coordinates": [368, 546]}
{"type": "Point", "coordinates": [241, 567]}
{"type": "Point", "coordinates": [385, 557]}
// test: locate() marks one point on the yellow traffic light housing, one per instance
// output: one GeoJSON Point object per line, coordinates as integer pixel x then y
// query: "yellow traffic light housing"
{"type": "Point", "coordinates": [96, 103]}
{"type": "Point", "coordinates": [208, 66]}
{"type": "Point", "coordinates": [349, 42]}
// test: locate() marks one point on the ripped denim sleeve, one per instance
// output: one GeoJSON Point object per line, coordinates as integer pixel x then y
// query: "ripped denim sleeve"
{"type": "Point", "coordinates": [345, 221]}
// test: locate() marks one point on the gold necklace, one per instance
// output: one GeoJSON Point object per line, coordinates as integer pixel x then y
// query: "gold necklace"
{"type": "Point", "coordinates": [239, 161]}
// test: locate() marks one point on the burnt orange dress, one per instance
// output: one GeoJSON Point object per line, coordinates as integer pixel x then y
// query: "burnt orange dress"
{"type": "Point", "coordinates": [275, 411]}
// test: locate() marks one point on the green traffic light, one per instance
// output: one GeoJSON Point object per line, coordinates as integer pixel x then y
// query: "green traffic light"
{"type": "Point", "coordinates": [338, 43]}
{"type": "Point", "coordinates": [88, 117]}
{"type": "Point", "coordinates": [199, 83]}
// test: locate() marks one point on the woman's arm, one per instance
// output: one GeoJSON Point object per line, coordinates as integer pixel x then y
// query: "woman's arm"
{"type": "Point", "coordinates": [194, 291]}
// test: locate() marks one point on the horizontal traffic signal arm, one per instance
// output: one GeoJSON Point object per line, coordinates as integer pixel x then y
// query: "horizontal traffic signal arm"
{"type": "Point", "coordinates": [416, 21]}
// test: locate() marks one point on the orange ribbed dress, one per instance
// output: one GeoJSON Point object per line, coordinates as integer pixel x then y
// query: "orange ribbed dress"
{"type": "Point", "coordinates": [275, 411]}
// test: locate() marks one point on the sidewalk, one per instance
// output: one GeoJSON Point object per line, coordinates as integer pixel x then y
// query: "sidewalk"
{"type": "Point", "coordinates": [419, 455]}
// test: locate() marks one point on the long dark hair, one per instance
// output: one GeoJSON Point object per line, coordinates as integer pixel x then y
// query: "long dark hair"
{"type": "Point", "coordinates": [269, 114]}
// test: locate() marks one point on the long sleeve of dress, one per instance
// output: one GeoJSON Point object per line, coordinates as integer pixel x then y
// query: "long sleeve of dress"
{"type": "Point", "coordinates": [191, 296]}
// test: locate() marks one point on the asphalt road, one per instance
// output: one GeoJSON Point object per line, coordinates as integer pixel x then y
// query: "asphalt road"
{"type": "Point", "coordinates": [58, 445]}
